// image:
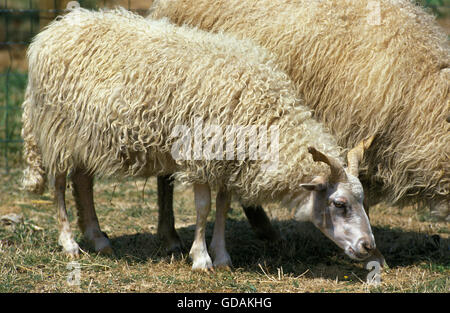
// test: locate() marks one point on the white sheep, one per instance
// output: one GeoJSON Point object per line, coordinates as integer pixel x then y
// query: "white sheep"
{"type": "Point", "coordinates": [107, 90]}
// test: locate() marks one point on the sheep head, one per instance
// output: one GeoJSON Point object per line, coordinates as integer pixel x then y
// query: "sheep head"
{"type": "Point", "coordinates": [335, 205]}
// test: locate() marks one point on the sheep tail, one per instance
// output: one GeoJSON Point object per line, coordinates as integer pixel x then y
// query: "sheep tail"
{"type": "Point", "coordinates": [34, 176]}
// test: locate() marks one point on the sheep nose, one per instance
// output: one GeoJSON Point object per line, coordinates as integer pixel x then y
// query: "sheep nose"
{"type": "Point", "coordinates": [367, 245]}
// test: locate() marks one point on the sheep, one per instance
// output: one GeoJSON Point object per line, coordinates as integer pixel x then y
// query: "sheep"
{"type": "Point", "coordinates": [108, 89]}
{"type": "Point", "coordinates": [366, 68]}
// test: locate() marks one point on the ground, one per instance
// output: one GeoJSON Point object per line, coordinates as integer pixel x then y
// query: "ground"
{"type": "Point", "coordinates": [416, 248]}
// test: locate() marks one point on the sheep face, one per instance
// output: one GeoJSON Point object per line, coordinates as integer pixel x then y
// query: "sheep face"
{"type": "Point", "coordinates": [335, 204]}
{"type": "Point", "coordinates": [337, 210]}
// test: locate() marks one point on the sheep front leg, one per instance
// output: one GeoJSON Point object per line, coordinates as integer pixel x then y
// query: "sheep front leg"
{"type": "Point", "coordinates": [83, 192]}
{"type": "Point", "coordinates": [199, 252]}
{"type": "Point", "coordinates": [66, 240]}
{"type": "Point", "coordinates": [217, 247]}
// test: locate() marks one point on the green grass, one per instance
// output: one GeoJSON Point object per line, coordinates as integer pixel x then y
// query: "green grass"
{"type": "Point", "coordinates": [440, 8]}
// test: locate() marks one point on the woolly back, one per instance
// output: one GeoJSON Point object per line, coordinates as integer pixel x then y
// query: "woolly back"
{"type": "Point", "coordinates": [366, 68]}
{"type": "Point", "coordinates": [106, 90]}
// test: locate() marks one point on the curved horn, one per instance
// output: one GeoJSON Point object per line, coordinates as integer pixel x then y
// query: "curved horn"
{"type": "Point", "coordinates": [355, 155]}
{"type": "Point", "coordinates": [337, 170]}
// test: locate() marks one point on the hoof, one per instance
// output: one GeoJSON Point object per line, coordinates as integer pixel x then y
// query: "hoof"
{"type": "Point", "coordinates": [203, 264]}
{"type": "Point", "coordinates": [73, 253]}
{"type": "Point", "coordinates": [175, 249]}
{"type": "Point", "coordinates": [70, 247]}
{"type": "Point", "coordinates": [106, 251]}
{"type": "Point", "coordinates": [208, 270]}
{"type": "Point", "coordinates": [223, 261]}
{"type": "Point", "coordinates": [173, 246]}
{"type": "Point", "coordinates": [103, 246]}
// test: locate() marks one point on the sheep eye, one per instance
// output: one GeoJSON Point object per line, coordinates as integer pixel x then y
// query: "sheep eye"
{"type": "Point", "coordinates": [339, 204]}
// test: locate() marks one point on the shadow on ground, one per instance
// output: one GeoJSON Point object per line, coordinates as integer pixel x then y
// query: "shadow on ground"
{"type": "Point", "coordinates": [303, 249]}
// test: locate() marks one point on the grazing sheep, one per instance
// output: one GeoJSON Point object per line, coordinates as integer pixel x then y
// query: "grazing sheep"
{"type": "Point", "coordinates": [107, 90]}
{"type": "Point", "coordinates": [366, 68]}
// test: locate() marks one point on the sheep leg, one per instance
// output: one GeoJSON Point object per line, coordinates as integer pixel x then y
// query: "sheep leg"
{"type": "Point", "coordinates": [260, 224]}
{"type": "Point", "coordinates": [256, 216]}
{"type": "Point", "coordinates": [199, 252]}
{"type": "Point", "coordinates": [83, 192]}
{"type": "Point", "coordinates": [65, 239]}
{"type": "Point", "coordinates": [166, 221]}
{"type": "Point", "coordinates": [217, 247]}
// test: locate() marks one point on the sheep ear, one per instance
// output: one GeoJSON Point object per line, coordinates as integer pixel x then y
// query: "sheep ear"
{"type": "Point", "coordinates": [314, 187]}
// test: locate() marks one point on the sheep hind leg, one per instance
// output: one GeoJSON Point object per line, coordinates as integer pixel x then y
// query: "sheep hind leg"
{"type": "Point", "coordinates": [260, 224]}
{"type": "Point", "coordinates": [199, 252]}
{"type": "Point", "coordinates": [65, 239]}
{"type": "Point", "coordinates": [166, 221]}
{"type": "Point", "coordinates": [218, 250]}
{"type": "Point", "coordinates": [83, 192]}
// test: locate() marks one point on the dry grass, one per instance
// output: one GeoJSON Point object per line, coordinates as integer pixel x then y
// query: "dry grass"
{"type": "Point", "coordinates": [32, 261]}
